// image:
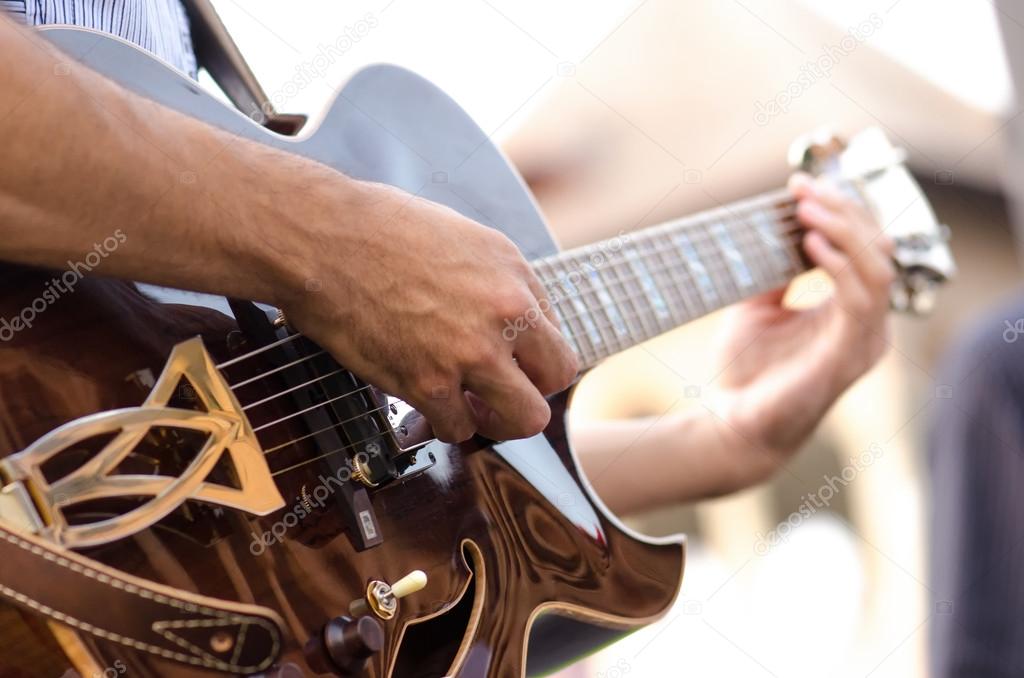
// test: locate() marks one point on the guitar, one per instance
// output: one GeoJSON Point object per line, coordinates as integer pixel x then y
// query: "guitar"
{"type": "Point", "coordinates": [204, 445]}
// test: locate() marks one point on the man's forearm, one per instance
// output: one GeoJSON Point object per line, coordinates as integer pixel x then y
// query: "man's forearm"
{"type": "Point", "coordinates": [199, 208]}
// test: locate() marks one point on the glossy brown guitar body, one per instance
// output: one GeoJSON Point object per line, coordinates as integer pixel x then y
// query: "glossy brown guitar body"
{"type": "Point", "coordinates": [496, 549]}
{"type": "Point", "coordinates": [508, 534]}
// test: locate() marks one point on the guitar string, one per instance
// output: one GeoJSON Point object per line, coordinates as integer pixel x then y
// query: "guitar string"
{"type": "Point", "coordinates": [655, 250]}
{"type": "Point", "coordinates": [782, 201]}
{"type": "Point", "coordinates": [702, 238]}
{"type": "Point", "coordinates": [776, 217]}
{"type": "Point", "coordinates": [320, 430]}
{"type": "Point", "coordinates": [261, 349]}
{"type": "Point", "coordinates": [353, 445]}
{"type": "Point", "coordinates": [291, 389]}
{"type": "Point", "coordinates": [619, 281]}
{"type": "Point", "coordinates": [317, 406]}
{"type": "Point", "coordinates": [344, 448]}
{"type": "Point", "coordinates": [339, 450]}
{"type": "Point", "coordinates": [678, 308]}
{"type": "Point", "coordinates": [262, 375]}
{"type": "Point", "coordinates": [330, 428]}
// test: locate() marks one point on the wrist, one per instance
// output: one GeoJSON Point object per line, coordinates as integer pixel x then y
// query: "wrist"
{"type": "Point", "coordinates": [304, 213]}
{"type": "Point", "coordinates": [755, 431]}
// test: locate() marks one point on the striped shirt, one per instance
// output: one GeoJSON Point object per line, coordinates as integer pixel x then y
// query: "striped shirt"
{"type": "Point", "coordinates": [159, 26]}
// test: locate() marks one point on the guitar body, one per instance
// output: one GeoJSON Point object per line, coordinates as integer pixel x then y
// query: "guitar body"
{"type": "Point", "coordinates": [518, 552]}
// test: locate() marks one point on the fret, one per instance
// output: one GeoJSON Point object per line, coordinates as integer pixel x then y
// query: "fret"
{"type": "Point", "coordinates": [567, 330]}
{"type": "Point", "coordinates": [608, 299]}
{"type": "Point", "coordinates": [659, 309]}
{"type": "Point", "coordinates": [698, 271]}
{"type": "Point", "coordinates": [678, 274]}
{"type": "Point", "coordinates": [581, 313]}
{"type": "Point", "coordinates": [763, 236]}
{"type": "Point", "coordinates": [744, 239]}
{"type": "Point", "coordinates": [766, 237]}
{"type": "Point", "coordinates": [590, 297]}
{"type": "Point", "coordinates": [733, 256]}
{"type": "Point", "coordinates": [669, 275]}
{"type": "Point", "coordinates": [566, 310]}
{"type": "Point", "coordinates": [642, 299]}
{"type": "Point", "coordinates": [622, 290]}
{"type": "Point", "coordinates": [559, 296]}
{"type": "Point", "coordinates": [717, 266]}
{"type": "Point", "coordinates": [631, 292]}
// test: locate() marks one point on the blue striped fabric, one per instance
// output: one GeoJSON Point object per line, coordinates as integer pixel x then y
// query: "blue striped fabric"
{"type": "Point", "coordinates": [159, 26]}
{"type": "Point", "coordinates": [14, 8]}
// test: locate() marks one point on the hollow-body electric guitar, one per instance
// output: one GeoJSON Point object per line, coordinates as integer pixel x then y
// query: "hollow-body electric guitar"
{"type": "Point", "coordinates": [187, 491]}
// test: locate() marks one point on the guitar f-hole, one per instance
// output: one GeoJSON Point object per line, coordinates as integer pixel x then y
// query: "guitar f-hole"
{"type": "Point", "coordinates": [438, 645]}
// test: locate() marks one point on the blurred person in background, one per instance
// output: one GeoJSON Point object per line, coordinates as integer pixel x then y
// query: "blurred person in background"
{"type": "Point", "coordinates": [977, 472]}
{"type": "Point", "coordinates": [977, 523]}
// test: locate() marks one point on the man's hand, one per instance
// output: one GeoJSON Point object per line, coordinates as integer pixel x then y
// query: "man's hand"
{"type": "Point", "coordinates": [415, 299]}
{"type": "Point", "coordinates": [409, 295]}
{"type": "Point", "coordinates": [781, 369]}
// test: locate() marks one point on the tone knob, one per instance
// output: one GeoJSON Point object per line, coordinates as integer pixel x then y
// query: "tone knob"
{"type": "Point", "coordinates": [344, 646]}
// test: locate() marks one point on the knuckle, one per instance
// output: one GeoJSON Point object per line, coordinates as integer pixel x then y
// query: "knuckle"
{"type": "Point", "coordinates": [451, 422]}
{"type": "Point", "coordinates": [511, 302]}
{"type": "Point", "coordinates": [858, 303]}
{"type": "Point", "coordinates": [570, 368]}
{"type": "Point", "coordinates": [481, 358]}
{"type": "Point", "coordinates": [455, 430]}
{"type": "Point", "coordinates": [535, 418]}
{"type": "Point", "coordinates": [502, 245]}
{"type": "Point", "coordinates": [433, 388]}
{"type": "Point", "coordinates": [462, 430]}
{"type": "Point", "coordinates": [889, 274]}
{"type": "Point", "coordinates": [887, 244]}
{"type": "Point", "coordinates": [885, 275]}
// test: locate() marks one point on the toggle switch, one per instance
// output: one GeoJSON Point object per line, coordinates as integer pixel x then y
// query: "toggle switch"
{"type": "Point", "coordinates": [382, 598]}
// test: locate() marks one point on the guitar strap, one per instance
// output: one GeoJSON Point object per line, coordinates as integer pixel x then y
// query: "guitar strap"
{"type": "Point", "coordinates": [217, 52]}
{"type": "Point", "coordinates": [146, 616]}
{"type": "Point", "coordinates": [93, 598]}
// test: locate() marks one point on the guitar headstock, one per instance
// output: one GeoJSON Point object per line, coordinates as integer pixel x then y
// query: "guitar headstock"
{"type": "Point", "coordinates": [871, 167]}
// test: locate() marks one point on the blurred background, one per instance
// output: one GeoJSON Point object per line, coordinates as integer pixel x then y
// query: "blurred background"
{"type": "Point", "coordinates": [628, 112]}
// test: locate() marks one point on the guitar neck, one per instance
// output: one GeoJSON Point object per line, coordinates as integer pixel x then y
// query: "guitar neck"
{"type": "Point", "coordinates": [612, 295]}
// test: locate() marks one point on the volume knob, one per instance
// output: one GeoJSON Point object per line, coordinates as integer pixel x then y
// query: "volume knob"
{"type": "Point", "coordinates": [344, 646]}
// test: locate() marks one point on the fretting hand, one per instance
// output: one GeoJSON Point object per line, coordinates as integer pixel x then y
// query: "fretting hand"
{"type": "Point", "coordinates": [780, 370]}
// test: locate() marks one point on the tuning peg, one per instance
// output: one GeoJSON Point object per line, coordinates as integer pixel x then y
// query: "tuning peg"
{"type": "Point", "coordinates": [816, 152]}
{"type": "Point", "coordinates": [382, 598]}
{"type": "Point", "coordinates": [914, 293]}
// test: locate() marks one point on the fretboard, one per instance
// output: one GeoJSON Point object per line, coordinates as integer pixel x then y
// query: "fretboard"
{"type": "Point", "coordinates": [620, 292]}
